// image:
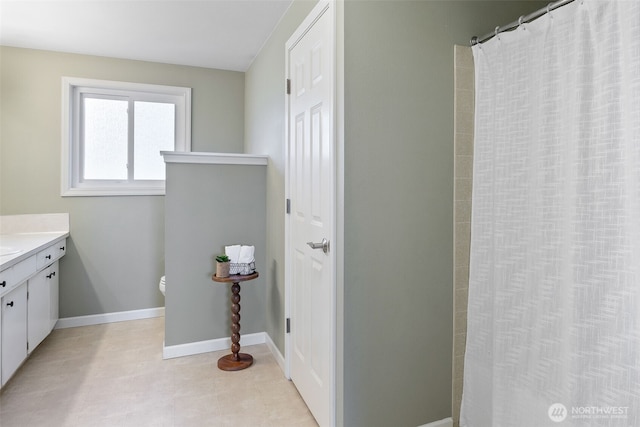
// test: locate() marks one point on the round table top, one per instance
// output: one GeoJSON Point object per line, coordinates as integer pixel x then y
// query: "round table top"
{"type": "Point", "coordinates": [235, 278]}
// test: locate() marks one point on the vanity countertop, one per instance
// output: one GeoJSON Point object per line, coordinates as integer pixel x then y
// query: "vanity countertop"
{"type": "Point", "coordinates": [22, 236]}
{"type": "Point", "coordinates": [21, 246]}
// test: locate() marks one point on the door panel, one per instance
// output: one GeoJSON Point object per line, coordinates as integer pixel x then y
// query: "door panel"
{"type": "Point", "coordinates": [311, 186]}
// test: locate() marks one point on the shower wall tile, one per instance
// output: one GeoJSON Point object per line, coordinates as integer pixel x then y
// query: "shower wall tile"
{"type": "Point", "coordinates": [462, 188]}
{"type": "Point", "coordinates": [464, 58]}
{"type": "Point", "coordinates": [465, 104]}
{"type": "Point", "coordinates": [462, 243]}
{"type": "Point", "coordinates": [462, 277]}
{"type": "Point", "coordinates": [463, 173]}
{"type": "Point", "coordinates": [463, 166]}
{"type": "Point", "coordinates": [461, 317]}
{"type": "Point", "coordinates": [462, 210]}
{"type": "Point", "coordinates": [461, 295]}
{"type": "Point", "coordinates": [459, 341]}
{"type": "Point", "coordinates": [464, 144]}
{"type": "Point", "coordinates": [464, 123]}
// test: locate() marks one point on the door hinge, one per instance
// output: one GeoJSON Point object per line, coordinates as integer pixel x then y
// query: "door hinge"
{"type": "Point", "coordinates": [288, 206]}
{"type": "Point", "coordinates": [27, 346]}
{"type": "Point", "coordinates": [288, 86]}
{"type": "Point", "coordinates": [288, 325]}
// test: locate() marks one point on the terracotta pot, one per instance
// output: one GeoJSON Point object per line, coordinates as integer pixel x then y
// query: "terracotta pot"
{"type": "Point", "coordinates": [222, 269]}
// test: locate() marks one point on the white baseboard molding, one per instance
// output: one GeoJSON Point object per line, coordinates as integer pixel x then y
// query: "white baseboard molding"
{"type": "Point", "coordinates": [189, 349]}
{"type": "Point", "coordinates": [97, 319]}
{"type": "Point", "coordinates": [275, 352]}
{"type": "Point", "coordinates": [170, 352]}
{"type": "Point", "coordinates": [447, 422]}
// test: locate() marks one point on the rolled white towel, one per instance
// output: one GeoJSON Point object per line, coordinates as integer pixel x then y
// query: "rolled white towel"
{"type": "Point", "coordinates": [233, 252]}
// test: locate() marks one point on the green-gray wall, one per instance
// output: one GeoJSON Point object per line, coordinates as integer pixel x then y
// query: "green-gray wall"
{"type": "Point", "coordinates": [115, 255]}
{"type": "Point", "coordinates": [264, 134]}
{"type": "Point", "coordinates": [203, 215]}
{"type": "Point", "coordinates": [398, 197]}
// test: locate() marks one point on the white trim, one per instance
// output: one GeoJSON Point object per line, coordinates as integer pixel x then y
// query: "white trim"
{"type": "Point", "coordinates": [198, 347]}
{"type": "Point", "coordinates": [97, 319]}
{"type": "Point", "coordinates": [339, 225]}
{"type": "Point", "coordinates": [447, 422]}
{"type": "Point", "coordinates": [214, 158]}
{"type": "Point", "coordinates": [72, 87]}
{"type": "Point", "coordinates": [275, 352]}
{"type": "Point", "coordinates": [115, 191]}
{"type": "Point", "coordinates": [173, 351]}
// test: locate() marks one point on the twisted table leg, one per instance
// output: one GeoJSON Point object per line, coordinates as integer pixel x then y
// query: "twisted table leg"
{"type": "Point", "coordinates": [236, 360]}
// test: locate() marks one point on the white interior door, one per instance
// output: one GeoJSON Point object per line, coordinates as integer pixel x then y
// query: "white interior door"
{"type": "Point", "coordinates": [311, 221]}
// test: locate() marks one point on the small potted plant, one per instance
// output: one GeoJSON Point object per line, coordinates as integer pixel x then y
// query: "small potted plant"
{"type": "Point", "coordinates": [222, 266]}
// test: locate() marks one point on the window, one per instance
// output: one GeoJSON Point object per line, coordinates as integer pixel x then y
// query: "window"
{"type": "Point", "coordinates": [113, 133]}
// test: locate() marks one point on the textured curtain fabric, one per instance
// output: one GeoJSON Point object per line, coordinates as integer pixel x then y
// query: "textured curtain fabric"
{"type": "Point", "coordinates": [553, 335]}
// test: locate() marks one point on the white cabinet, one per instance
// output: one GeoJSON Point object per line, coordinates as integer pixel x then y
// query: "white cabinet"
{"type": "Point", "coordinates": [40, 304]}
{"type": "Point", "coordinates": [6, 279]}
{"type": "Point", "coordinates": [29, 297]}
{"type": "Point", "coordinates": [14, 330]}
{"type": "Point", "coordinates": [20, 272]}
{"type": "Point", "coordinates": [54, 303]}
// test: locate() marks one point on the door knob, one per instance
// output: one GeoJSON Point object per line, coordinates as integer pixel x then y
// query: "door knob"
{"type": "Point", "coordinates": [324, 245]}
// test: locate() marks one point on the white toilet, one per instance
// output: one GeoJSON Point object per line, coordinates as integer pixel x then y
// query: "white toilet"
{"type": "Point", "coordinates": [162, 285]}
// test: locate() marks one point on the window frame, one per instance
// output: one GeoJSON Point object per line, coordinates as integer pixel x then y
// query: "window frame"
{"type": "Point", "coordinates": [73, 90]}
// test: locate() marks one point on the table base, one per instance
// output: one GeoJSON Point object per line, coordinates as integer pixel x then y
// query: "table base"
{"type": "Point", "coordinates": [227, 363]}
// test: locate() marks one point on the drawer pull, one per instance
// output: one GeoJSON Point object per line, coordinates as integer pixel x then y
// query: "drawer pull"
{"type": "Point", "coordinates": [62, 248]}
{"type": "Point", "coordinates": [51, 275]}
{"type": "Point", "coordinates": [3, 284]}
{"type": "Point", "coordinates": [48, 257]}
{"type": "Point", "coordinates": [10, 304]}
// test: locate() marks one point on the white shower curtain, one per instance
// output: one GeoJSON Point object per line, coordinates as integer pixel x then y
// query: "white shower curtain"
{"type": "Point", "coordinates": [553, 335]}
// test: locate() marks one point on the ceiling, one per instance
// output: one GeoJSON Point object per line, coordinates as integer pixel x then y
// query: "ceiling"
{"type": "Point", "coordinates": [223, 34]}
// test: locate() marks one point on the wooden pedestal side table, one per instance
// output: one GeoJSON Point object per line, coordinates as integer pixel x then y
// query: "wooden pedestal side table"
{"type": "Point", "coordinates": [235, 361]}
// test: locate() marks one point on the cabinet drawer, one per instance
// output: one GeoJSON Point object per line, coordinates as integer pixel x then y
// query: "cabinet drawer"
{"type": "Point", "coordinates": [6, 280]}
{"type": "Point", "coordinates": [24, 269]}
{"type": "Point", "coordinates": [17, 274]}
{"type": "Point", "coordinates": [51, 253]}
{"type": "Point", "coordinates": [46, 257]}
{"type": "Point", "coordinates": [62, 248]}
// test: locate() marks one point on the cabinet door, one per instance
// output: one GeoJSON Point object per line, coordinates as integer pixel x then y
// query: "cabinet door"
{"type": "Point", "coordinates": [14, 330]}
{"type": "Point", "coordinates": [38, 307]}
{"type": "Point", "coordinates": [54, 286]}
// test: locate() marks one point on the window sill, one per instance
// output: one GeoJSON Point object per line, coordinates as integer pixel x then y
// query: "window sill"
{"type": "Point", "coordinates": [111, 191]}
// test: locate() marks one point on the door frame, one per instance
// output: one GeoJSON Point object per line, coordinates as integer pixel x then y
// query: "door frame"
{"type": "Point", "coordinates": [330, 7]}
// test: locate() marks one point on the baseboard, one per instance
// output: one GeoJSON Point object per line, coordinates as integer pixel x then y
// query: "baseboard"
{"type": "Point", "coordinates": [189, 349]}
{"type": "Point", "coordinates": [275, 352]}
{"type": "Point", "coordinates": [170, 352]}
{"type": "Point", "coordinates": [97, 319]}
{"type": "Point", "coordinates": [447, 422]}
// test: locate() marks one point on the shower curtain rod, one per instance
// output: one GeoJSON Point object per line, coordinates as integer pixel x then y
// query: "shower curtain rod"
{"type": "Point", "coordinates": [525, 19]}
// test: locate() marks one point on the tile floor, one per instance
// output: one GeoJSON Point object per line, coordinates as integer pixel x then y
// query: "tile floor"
{"type": "Point", "coordinates": [114, 375]}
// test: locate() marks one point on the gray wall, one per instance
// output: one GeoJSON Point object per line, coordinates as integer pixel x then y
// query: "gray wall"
{"type": "Point", "coordinates": [207, 208]}
{"type": "Point", "coordinates": [264, 134]}
{"type": "Point", "coordinates": [399, 93]}
{"type": "Point", "coordinates": [116, 251]}
{"type": "Point", "coordinates": [398, 200]}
